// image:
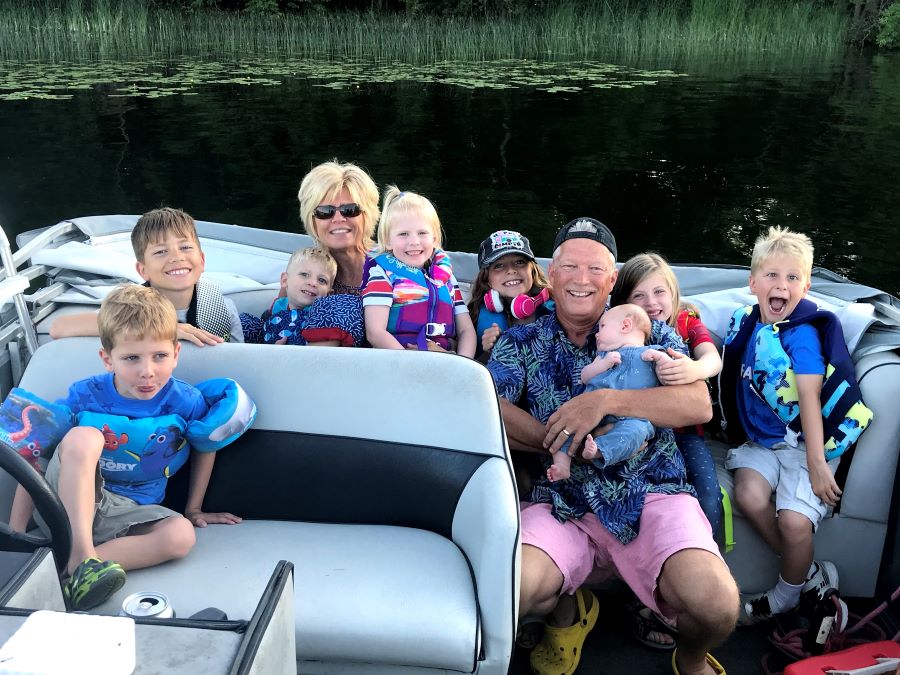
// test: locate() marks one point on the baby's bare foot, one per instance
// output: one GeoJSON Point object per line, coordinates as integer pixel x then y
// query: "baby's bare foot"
{"type": "Point", "coordinates": [590, 447]}
{"type": "Point", "coordinates": [555, 473]}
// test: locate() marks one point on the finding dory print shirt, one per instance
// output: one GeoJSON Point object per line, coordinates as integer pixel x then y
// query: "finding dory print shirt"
{"type": "Point", "coordinates": [144, 441]}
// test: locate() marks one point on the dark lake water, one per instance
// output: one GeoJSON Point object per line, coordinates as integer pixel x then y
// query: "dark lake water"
{"type": "Point", "coordinates": [694, 167]}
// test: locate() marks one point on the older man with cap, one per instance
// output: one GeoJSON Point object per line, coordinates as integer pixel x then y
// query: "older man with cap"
{"type": "Point", "coordinates": [637, 519]}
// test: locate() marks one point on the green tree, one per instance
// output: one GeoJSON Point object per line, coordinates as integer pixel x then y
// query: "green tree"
{"type": "Point", "coordinates": [866, 16]}
{"type": "Point", "coordinates": [889, 28]}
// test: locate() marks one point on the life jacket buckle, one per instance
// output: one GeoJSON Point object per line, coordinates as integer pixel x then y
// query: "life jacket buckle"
{"type": "Point", "coordinates": [435, 329]}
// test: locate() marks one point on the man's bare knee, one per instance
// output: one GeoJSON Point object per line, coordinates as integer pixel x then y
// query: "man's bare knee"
{"type": "Point", "coordinates": [541, 582]}
{"type": "Point", "coordinates": [717, 612]}
{"type": "Point", "coordinates": [698, 585]}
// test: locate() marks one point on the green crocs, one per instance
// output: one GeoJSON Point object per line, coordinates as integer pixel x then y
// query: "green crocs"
{"type": "Point", "coordinates": [92, 582]}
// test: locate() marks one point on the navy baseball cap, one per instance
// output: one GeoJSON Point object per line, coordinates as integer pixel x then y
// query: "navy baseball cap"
{"type": "Point", "coordinates": [586, 228]}
{"type": "Point", "coordinates": [501, 243]}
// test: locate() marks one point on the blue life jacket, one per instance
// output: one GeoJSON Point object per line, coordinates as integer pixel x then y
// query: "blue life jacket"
{"type": "Point", "coordinates": [844, 415]}
{"type": "Point", "coordinates": [140, 454]}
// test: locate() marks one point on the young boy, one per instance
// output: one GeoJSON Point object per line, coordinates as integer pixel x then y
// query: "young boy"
{"type": "Point", "coordinates": [134, 424]}
{"type": "Point", "coordinates": [170, 260]}
{"type": "Point", "coordinates": [775, 359]}
{"type": "Point", "coordinates": [309, 275]}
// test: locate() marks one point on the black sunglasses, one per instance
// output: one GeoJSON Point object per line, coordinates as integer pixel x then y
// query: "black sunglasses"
{"type": "Point", "coordinates": [327, 211]}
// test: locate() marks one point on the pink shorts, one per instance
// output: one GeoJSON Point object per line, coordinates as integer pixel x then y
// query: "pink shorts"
{"type": "Point", "coordinates": [586, 552]}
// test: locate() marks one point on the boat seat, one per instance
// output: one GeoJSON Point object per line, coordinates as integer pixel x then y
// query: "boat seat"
{"type": "Point", "coordinates": [377, 594]}
{"type": "Point", "coordinates": [383, 476]}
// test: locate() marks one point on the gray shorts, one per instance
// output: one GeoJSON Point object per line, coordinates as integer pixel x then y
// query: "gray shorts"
{"type": "Point", "coordinates": [114, 515]}
{"type": "Point", "coordinates": [786, 471]}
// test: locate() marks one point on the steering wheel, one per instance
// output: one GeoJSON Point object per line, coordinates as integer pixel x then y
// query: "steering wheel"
{"type": "Point", "coordinates": [46, 502]}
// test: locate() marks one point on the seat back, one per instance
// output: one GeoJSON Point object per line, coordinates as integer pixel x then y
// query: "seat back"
{"type": "Point", "coordinates": [343, 435]}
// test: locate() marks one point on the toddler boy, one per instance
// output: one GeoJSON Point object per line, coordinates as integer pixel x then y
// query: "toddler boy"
{"type": "Point", "coordinates": [775, 359]}
{"type": "Point", "coordinates": [169, 259]}
{"type": "Point", "coordinates": [309, 275]}
{"type": "Point", "coordinates": [136, 426]}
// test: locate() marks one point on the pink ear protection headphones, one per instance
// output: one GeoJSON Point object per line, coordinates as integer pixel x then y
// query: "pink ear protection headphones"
{"type": "Point", "coordinates": [521, 307]}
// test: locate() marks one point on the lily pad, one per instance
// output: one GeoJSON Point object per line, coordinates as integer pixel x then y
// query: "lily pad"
{"type": "Point", "coordinates": [156, 78]}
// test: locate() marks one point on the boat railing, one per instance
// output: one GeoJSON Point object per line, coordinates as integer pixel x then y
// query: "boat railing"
{"type": "Point", "coordinates": [40, 240]}
{"type": "Point", "coordinates": [20, 325]}
{"type": "Point", "coordinates": [12, 288]}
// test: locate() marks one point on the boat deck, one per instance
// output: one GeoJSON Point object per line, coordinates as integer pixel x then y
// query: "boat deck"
{"type": "Point", "coordinates": [610, 648]}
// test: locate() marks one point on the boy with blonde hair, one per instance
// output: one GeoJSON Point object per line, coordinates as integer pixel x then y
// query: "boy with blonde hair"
{"type": "Point", "coordinates": [169, 258]}
{"type": "Point", "coordinates": [782, 358]}
{"type": "Point", "coordinates": [135, 426]}
{"type": "Point", "coordinates": [309, 276]}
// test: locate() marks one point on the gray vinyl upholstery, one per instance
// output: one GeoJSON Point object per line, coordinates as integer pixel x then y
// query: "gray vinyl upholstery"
{"type": "Point", "coordinates": [853, 538]}
{"type": "Point", "coordinates": [432, 588]}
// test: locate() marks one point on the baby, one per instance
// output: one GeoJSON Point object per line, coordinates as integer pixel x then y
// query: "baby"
{"type": "Point", "coordinates": [623, 362]}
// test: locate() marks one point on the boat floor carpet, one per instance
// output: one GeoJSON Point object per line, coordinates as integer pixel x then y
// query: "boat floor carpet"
{"type": "Point", "coordinates": [610, 648]}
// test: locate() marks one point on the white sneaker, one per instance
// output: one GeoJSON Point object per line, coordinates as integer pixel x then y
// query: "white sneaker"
{"type": "Point", "coordinates": [824, 577]}
{"type": "Point", "coordinates": [755, 610]}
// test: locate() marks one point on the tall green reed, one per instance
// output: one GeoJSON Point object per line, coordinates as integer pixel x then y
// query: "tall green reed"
{"type": "Point", "coordinates": [132, 29]}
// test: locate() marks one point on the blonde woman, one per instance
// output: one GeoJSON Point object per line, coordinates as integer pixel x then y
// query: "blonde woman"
{"type": "Point", "coordinates": [339, 210]}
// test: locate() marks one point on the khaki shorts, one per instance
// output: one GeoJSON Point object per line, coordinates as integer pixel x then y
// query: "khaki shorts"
{"type": "Point", "coordinates": [786, 471]}
{"type": "Point", "coordinates": [114, 515]}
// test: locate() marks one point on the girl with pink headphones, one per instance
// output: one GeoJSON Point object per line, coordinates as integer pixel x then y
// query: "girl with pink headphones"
{"type": "Point", "coordinates": [510, 289]}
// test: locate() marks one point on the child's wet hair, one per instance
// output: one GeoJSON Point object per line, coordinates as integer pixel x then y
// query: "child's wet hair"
{"type": "Point", "coordinates": [638, 268]}
{"type": "Point", "coordinates": [397, 202]}
{"type": "Point", "coordinates": [780, 241]}
{"type": "Point", "coordinates": [314, 254]}
{"type": "Point", "coordinates": [154, 226]}
{"type": "Point", "coordinates": [136, 312]}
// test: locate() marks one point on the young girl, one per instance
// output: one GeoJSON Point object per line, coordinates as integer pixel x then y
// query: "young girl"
{"type": "Point", "coordinates": [647, 281]}
{"type": "Point", "coordinates": [509, 290]}
{"type": "Point", "coordinates": [410, 297]}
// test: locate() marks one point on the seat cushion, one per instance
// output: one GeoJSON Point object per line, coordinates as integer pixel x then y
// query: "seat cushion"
{"type": "Point", "coordinates": [364, 593]}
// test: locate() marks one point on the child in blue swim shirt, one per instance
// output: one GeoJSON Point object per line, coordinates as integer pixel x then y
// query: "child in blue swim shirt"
{"type": "Point", "coordinates": [134, 427]}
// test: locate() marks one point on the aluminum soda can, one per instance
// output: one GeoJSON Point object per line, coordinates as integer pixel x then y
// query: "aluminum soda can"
{"type": "Point", "coordinates": [147, 604]}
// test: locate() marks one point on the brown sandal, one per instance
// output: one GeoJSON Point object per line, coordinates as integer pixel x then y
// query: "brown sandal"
{"type": "Point", "coordinates": [645, 621]}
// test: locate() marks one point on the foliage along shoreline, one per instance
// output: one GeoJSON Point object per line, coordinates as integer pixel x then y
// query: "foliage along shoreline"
{"type": "Point", "coordinates": [107, 29]}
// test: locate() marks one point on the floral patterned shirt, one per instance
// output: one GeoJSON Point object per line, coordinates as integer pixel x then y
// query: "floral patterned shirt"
{"type": "Point", "coordinates": [537, 367]}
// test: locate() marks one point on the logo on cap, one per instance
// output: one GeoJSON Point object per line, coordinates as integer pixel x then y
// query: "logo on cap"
{"type": "Point", "coordinates": [584, 225]}
{"type": "Point", "coordinates": [507, 239]}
